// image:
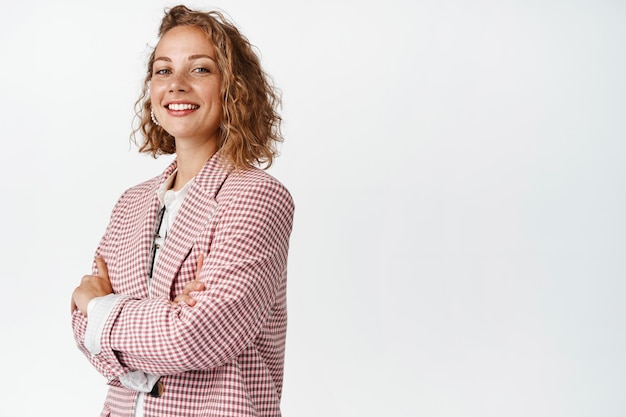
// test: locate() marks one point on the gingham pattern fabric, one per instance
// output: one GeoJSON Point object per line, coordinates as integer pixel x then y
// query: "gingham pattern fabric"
{"type": "Point", "coordinates": [223, 356]}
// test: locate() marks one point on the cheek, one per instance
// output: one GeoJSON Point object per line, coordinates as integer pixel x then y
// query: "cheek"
{"type": "Point", "coordinates": [211, 91]}
{"type": "Point", "coordinates": [156, 91]}
{"type": "Point", "coordinates": [215, 98]}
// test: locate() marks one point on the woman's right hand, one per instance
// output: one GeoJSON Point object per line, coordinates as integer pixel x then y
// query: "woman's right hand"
{"type": "Point", "coordinates": [191, 286]}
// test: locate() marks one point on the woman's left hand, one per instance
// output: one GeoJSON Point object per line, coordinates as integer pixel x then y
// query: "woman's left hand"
{"type": "Point", "coordinates": [92, 286]}
{"type": "Point", "coordinates": [192, 286]}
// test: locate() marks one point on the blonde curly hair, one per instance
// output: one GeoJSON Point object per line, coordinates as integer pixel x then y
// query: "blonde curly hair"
{"type": "Point", "coordinates": [250, 124]}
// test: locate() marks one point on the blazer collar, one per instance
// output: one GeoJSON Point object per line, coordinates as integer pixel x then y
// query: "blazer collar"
{"type": "Point", "coordinates": [192, 219]}
{"type": "Point", "coordinates": [210, 178]}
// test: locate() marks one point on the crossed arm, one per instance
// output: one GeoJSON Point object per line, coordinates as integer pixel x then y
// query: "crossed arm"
{"type": "Point", "coordinates": [244, 272]}
{"type": "Point", "coordinates": [92, 286]}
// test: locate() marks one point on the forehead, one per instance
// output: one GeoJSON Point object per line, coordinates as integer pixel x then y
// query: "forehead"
{"type": "Point", "coordinates": [184, 40]}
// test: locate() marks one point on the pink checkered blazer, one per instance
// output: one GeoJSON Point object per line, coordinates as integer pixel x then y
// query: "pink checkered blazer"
{"type": "Point", "coordinates": [223, 356]}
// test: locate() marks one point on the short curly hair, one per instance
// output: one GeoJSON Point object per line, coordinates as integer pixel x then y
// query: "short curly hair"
{"type": "Point", "coordinates": [250, 124]}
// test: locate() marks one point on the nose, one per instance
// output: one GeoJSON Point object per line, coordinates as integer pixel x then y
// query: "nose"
{"type": "Point", "coordinates": [178, 83]}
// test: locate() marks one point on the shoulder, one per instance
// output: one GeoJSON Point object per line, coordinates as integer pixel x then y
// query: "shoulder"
{"type": "Point", "coordinates": [255, 187]}
{"type": "Point", "coordinates": [135, 197]}
{"type": "Point", "coordinates": [147, 188]}
{"type": "Point", "coordinates": [253, 180]}
{"type": "Point", "coordinates": [140, 190]}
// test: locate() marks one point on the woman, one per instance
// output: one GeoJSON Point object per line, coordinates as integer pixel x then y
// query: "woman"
{"type": "Point", "coordinates": [185, 312]}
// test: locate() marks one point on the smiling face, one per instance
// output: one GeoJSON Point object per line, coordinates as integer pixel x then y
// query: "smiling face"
{"type": "Point", "coordinates": [185, 87]}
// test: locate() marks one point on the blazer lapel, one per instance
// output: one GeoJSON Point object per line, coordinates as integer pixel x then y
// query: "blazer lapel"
{"type": "Point", "coordinates": [192, 219]}
{"type": "Point", "coordinates": [129, 274]}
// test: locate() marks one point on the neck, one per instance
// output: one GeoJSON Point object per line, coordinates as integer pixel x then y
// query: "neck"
{"type": "Point", "coordinates": [190, 160]}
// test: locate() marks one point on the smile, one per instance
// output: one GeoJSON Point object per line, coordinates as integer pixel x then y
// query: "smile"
{"type": "Point", "coordinates": [182, 106]}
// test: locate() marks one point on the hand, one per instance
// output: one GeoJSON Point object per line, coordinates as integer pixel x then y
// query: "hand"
{"type": "Point", "coordinates": [92, 286]}
{"type": "Point", "coordinates": [195, 285]}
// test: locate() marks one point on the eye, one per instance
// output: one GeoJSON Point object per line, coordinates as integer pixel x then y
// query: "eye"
{"type": "Point", "coordinates": [162, 71]}
{"type": "Point", "coordinates": [201, 70]}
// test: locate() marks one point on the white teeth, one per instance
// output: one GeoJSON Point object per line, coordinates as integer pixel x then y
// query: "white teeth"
{"type": "Point", "coordinates": [182, 106]}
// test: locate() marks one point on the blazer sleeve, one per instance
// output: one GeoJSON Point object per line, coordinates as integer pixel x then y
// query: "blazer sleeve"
{"type": "Point", "coordinates": [243, 271]}
{"type": "Point", "coordinates": [110, 369]}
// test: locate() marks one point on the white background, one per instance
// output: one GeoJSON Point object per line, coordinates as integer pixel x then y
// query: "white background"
{"type": "Point", "coordinates": [459, 171]}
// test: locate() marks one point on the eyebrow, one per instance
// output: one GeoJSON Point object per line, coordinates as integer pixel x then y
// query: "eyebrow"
{"type": "Point", "coordinates": [191, 58]}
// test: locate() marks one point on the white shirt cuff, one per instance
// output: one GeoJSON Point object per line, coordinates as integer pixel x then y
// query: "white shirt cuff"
{"type": "Point", "coordinates": [139, 381]}
{"type": "Point", "coordinates": [98, 311]}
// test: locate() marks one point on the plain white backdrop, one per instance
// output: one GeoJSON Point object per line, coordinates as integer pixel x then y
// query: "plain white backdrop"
{"type": "Point", "coordinates": [459, 172]}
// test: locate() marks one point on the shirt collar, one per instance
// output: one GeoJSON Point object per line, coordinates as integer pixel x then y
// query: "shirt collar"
{"type": "Point", "coordinates": [167, 184]}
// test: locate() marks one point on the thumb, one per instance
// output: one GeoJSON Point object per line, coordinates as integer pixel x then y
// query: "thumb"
{"type": "Point", "coordinates": [102, 267]}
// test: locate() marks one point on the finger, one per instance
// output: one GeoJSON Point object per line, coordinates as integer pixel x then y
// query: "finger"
{"type": "Point", "coordinates": [103, 271]}
{"type": "Point", "coordinates": [184, 298]}
{"type": "Point", "coordinates": [192, 286]}
{"type": "Point", "coordinates": [199, 265]}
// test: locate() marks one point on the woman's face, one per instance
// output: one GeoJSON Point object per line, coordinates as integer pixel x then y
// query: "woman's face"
{"type": "Point", "coordinates": [185, 86]}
